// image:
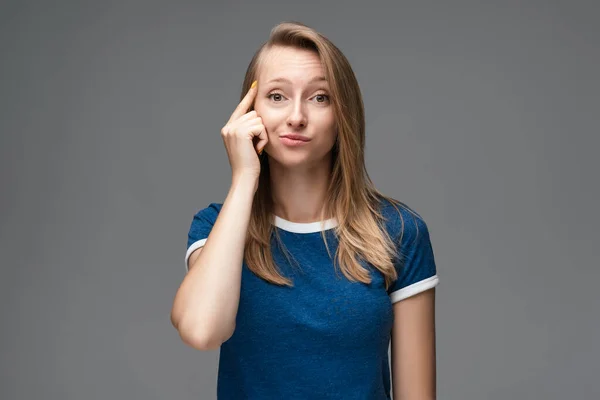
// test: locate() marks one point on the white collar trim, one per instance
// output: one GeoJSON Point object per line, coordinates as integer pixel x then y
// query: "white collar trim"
{"type": "Point", "coordinates": [304, 227]}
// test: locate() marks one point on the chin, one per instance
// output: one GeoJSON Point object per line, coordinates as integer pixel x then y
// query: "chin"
{"type": "Point", "coordinates": [293, 159]}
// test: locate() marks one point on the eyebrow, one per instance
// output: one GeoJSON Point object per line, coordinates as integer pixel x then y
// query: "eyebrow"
{"type": "Point", "coordinates": [315, 79]}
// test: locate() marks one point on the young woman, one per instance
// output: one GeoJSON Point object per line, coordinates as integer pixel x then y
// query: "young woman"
{"type": "Point", "coordinates": [305, 272]}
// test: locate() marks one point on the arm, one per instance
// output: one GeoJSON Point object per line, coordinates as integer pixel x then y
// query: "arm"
{"type": "Point", "coordinates": [206, 303]}
{"type": "Point", "coordinates": [413, 348]}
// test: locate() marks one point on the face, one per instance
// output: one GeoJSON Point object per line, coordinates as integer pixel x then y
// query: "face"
{"type": "Point", "coordinates": [291, 99]}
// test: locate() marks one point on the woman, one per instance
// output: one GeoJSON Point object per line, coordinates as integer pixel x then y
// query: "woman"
{"type": "Point", "coordinates": [263, 281]}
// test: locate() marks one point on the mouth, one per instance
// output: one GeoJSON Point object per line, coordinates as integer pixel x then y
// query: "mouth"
{"type": "Point", "coordinates": [294, 140]}
{"type": "Point", "coordinates": [301, 138]}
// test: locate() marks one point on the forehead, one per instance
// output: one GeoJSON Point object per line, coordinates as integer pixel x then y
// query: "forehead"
{"type": "Point", "coordinates": [291, 63]}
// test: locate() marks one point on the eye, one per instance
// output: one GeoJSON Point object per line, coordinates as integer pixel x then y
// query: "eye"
{"type": "Point", "coordinates": [322, 95]}
{"type": "Point", "coordinates": [275, 94]}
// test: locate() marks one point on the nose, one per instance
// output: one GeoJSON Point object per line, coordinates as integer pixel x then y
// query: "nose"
{"type": "Point", "coordinates": [297, 116]}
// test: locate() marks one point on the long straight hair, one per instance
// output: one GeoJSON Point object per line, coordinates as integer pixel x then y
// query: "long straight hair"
{"type": "Point", "coordinates": [351, 197]}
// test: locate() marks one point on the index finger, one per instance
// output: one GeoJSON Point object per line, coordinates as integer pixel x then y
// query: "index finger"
{"type": "Point", "coordinates": [246, 102]}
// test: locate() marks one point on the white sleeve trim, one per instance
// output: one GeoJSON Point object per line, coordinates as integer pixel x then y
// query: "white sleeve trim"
{"type": "Point", "coordinates": [415, 288]}
{"type": "Point", "coordinates": [190, 250]}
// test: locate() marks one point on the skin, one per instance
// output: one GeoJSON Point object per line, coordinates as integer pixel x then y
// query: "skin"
{"type": "Point", "coordinates": [413, 353]}
{"type": "Point", "coordinates": [299, 175]}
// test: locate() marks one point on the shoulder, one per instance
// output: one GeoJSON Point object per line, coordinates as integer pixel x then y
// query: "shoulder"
{"type": "Point", "coordinates": [415, 260]}
{"type": "Point", "coordinates": [402, 221]}
{"type": "Point", "coordinates": [212, 208]}
{"type": "Point", "coordinates": [203, 221]}
{"type": "Point", "coordinates": [209, 212]}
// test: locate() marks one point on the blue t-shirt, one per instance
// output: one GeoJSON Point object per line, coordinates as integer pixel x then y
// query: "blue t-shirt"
{"type": "Point", "coordinates": [326, 337]}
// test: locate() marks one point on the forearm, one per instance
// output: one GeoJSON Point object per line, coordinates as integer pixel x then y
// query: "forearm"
{"type": "Point", "coordinates": [206, 304]}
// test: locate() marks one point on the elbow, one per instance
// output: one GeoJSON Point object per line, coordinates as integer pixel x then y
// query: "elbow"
{"type": "Point", "coordinates": [206, 341]}
{"type": "Point", "coordinates": [202, 343]}
{"type": "Point", "coordinates": [199, 337]}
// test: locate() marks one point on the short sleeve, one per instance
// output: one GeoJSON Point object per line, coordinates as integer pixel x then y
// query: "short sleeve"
{"type": "Point", "coordinates": [416, 267]}
{"type": "Point", "coordinates": [200, 228]}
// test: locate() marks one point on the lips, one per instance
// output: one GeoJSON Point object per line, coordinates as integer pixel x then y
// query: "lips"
{"type": "Point", "coordinates": [296, 137]}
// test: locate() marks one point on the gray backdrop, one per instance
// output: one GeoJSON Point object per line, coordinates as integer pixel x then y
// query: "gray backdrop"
{"type": "Point", "coordinates": [482, 117]}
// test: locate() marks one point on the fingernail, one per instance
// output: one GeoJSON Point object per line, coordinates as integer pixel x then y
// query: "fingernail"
{"type": "Point", "coordinates": [260, 151]}
{"type": "Point", "coordinates": [253, 84]}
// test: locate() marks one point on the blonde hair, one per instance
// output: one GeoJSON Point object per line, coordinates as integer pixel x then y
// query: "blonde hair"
{"type": "Point", "coordinates": [351, 197]}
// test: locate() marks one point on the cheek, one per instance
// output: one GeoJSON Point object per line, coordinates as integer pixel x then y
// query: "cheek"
{"type": "Point", "coordinates": [330, 126]}
{"type": "Point", "coordinates": [328, 136]}
{"type": "Point", "coordinates": [268, 121]}
{"type": "Point", "coordinates": [328, 120]}
{"type": "Point", "coordinates": [268, 117]}
{"type": "Point", "coordinates": [260, 109]}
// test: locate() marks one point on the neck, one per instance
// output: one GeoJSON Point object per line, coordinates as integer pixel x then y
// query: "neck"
{"type": "Point", "coordinates": [299, 193]}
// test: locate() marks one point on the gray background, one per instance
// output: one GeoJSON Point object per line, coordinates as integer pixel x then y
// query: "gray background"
{"type": "Point", "coordinates": [482, 117]}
